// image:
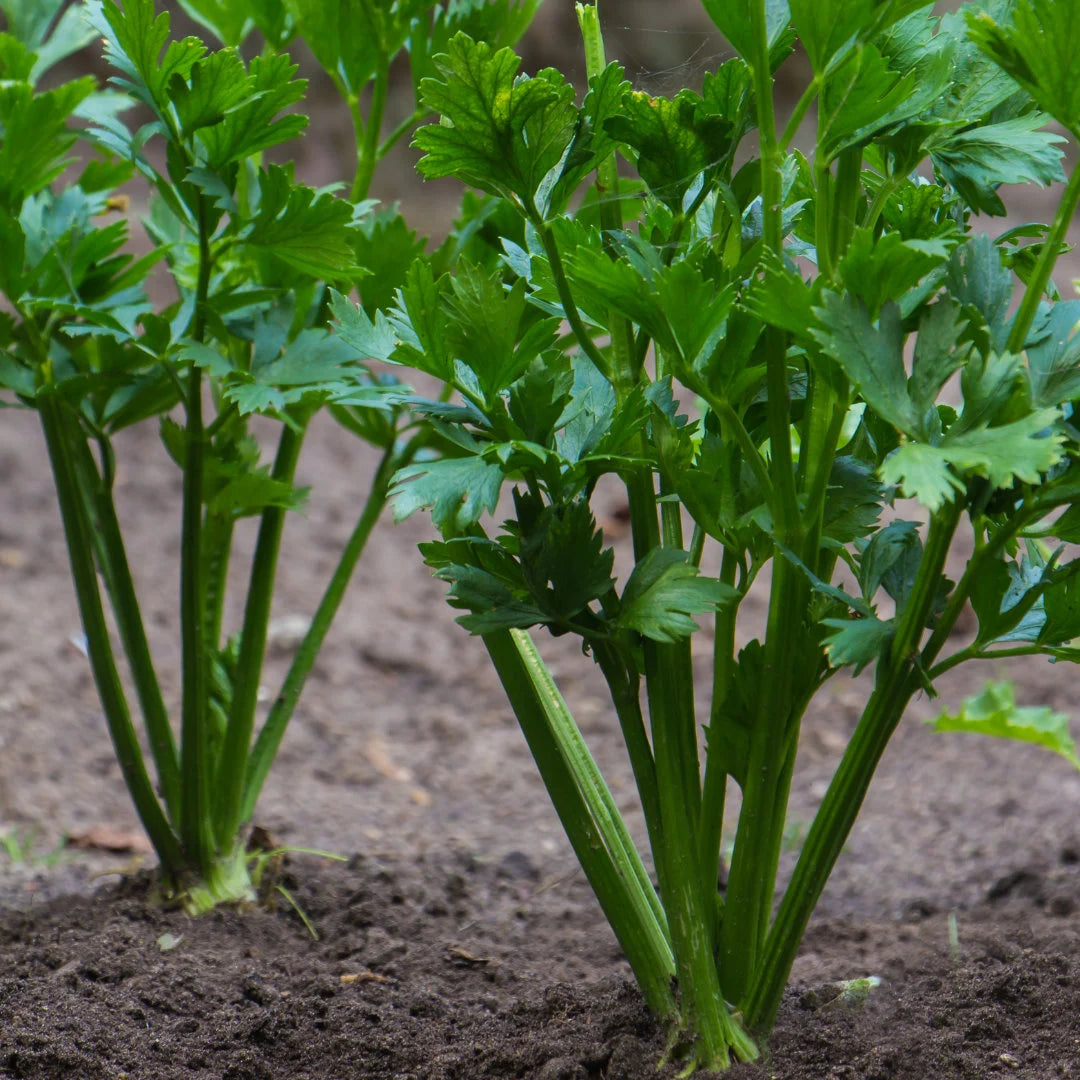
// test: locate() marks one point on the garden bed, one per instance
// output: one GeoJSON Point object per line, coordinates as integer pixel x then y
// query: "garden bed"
{"type": "Point", "coordinates": [469, 942]}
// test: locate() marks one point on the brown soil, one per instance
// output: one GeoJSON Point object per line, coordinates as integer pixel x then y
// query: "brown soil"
{"type": "Point", "coordinates": [460, 939]}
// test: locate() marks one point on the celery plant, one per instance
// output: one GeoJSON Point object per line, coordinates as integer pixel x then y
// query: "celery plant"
{"type": "Point", "coordinates": [258, 262]}
{"type": "Point", "coordinates": [804, 418]}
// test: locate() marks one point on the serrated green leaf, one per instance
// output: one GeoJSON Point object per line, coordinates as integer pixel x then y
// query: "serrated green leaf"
{"type": "Point", "coordinates": [255, 125]}
{"type": "Point", "coordinates": [134, 39]}
{"type": "Point", "coordinates": [1022, 450]}
{"type": "Point", "coordinates": [70, 33]}
{"type": "Point", "coordinates": [372, 339]}
{"type": "Point", "coordinates": [1061, 603]}
{"type": "Point", "coordinates": [884, 269]}
{"type": "Point", "coordinates": [1054, 361]}
{"type": "Point", "coordinates": [35, 137]}
{"type": "Point", "coordinates": [500, 133]}
{"type": "Point", "coordinates": [978, 278]}
{"type": "Point", "coordinates": [419, 323]}
{"type": "Point", "coordinates": [780, 297]}
{"type": "Point", "coordinates": [825, 27]}
{"type": "Point", "coordinates": [995, 712]}
{"type": "Point", "coordinates": [386, 247]}
{"type": "Point", "coordinates": [675, 140]}
{"type": "Point", "coordinates": [1038, 50]}
{"type": "Point", "coordinates": [487, 330]}
{"type": "Point", "coordinates": [562, 555]}
{"type": "Point", "coordinates": [353, 39]}
{"type": "Point", "coordinates": [891, 558]}
{"type": "Point", "coordinates": [857, 641]}
{"type": "Point", "coordinates": [853, 505]}
{"type": "Point", "coordinates": [863, 96]}
{"type": "Point", "coordinates": [664, 591]}
{"type": "Point", "coordinates": [978, 160]}
{"type": "Point", "coordinates": [871, 356]}
{"type": "Point", "coordinates": [310, 232]}
{"type": "Point", "coordinates": [218, 84]}
{"type": "Point", "coordinates": [229, 20]}
{"type": "Point", "coordinates": [458, 491]}
{"type": "Point", "coordinates": [735, 20]}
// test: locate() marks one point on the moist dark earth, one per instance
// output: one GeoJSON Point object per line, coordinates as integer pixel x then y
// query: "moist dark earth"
{"type": "Point", "coordinates": [457, 938]}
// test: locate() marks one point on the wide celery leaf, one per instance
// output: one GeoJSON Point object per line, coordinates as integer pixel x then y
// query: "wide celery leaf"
{"type": "Point", "coordinates": [1038, 49]}
{"type": "Point", "coordinates": [995, 712]}
{"type": "Point", "coordinates": [664, 592]}
{"type": "Point", "coordinates": [1023, 450]}
{"type": "Point", "coordinates": [500, 132]}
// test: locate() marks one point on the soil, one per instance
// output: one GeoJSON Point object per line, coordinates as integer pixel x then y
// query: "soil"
{"type": "Point", "coordinates": [458, 938]}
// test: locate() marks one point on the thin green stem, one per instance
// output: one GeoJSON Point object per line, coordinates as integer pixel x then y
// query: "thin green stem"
{"type": "Point", "coordinates": [368, 131]}
{"type": "Point", "coordinates": [849, 785]}
{"type": "Point", "coordinates": [112, 558]}
{"type": "Point", "coordinates": [566, 297]}
{"type": "Point", "coordinates": [751, 455]}
{"type": "Point", "coordinates": [617, 891]}
{"type": "Point", "coordinates": [196, 824]}
{"type": "Point", "coordinates": [802, 106]}
{"type": "Point", "coordinates": [973, 653]}
{"type": "Point", "coordinates": [624, 686]}
{"type": "Point", "coordinates": [77, 534]}
{"type": "Point", "coordinates": [402, 129]}
{"type": "Point", "coordinates": [273, 730]}
{"type": "Point", "coordinates": [714, 786]}
{"type": "Point", "coordinates": [1036, 286]}
{"type": "Point", "coordinates": [232, 765]}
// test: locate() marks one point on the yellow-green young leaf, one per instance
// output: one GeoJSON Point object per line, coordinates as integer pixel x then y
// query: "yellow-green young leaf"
{"type": "Point", "coordinates": [1039, 51]}
{"type": "Point", "coordinates": [995, 712]}
{"type": "Point", "coordinates": [499, 132]}
{"type": "Point", "coordinates": [675, 140]}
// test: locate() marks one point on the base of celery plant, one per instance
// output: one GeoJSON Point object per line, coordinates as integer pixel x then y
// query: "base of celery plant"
{"type": "Point", "coordinates": [229, 882]}
{"type": "Point", "coordinates": [685, 1049]}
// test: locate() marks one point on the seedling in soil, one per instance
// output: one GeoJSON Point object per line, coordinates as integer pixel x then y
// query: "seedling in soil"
{"type": "Point", "coordinates": [759, 350]}
{"type": "Point", "coordinates": [257, 262]}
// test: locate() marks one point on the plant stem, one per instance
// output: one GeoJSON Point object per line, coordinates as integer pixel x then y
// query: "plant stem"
{"type": "Point", "coordinates": [566, 297]}
{"type": "Point", "coordinates": [232, 764]}
{"type": "Point", "coordinates": [112, 558]}
{"type": "Point", "coordinates": [367, 132]}
{"type": "Point", "coordinates": [753, 875]}
{"type": "Point", "coordinates": [196, 823]}
{"type": "Point", "coordinates": [273, 730]}
{"type": "Point", "coordinates": [645, 948]}
{"type": "Point", "coordinates": [849, 785]}
{"type": "Point", "coordinates": [714, 787]}
{"type": "Point", "coordinates": [1033, 295]}
{"type": "Point", "coordinates": [80, 547]}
